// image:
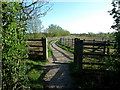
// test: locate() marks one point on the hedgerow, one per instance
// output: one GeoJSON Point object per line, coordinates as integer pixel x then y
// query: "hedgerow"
{"type": "Point", "coordinates": [14, 49]}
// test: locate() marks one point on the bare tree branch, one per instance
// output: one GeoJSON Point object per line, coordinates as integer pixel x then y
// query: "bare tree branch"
{"type": "Point", "coordinates": [32, 4]}
{"type": "Point", "coordinates": [43, 14]}
{"type": "Point", "coordinates": [35, 8]}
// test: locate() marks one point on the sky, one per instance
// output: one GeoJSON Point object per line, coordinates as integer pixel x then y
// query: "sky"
{"type": "Point", "coordinates": [80, 16]}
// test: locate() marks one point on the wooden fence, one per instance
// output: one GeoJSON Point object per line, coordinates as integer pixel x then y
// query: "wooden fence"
{"type": "Point", "coordinates": [88, 48]}
{"type": "Point", "coordinates": [67, 41]}
{"type": "Point", "coordinates": [38, 47]}
{"type": "Point", "coordinates": [95, 48]}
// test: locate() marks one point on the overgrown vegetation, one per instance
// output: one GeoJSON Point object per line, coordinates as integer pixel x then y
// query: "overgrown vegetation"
{"type": "Point", "coordinates": [14, 49]}
{"type": "Point", "coordinates": [115, 12]}
{"type": "Point", "coordinates": [35, 74]}
{"type": "Point", "coordinates": [15, 74]}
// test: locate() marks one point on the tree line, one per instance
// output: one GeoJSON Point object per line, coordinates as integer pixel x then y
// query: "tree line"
{"type": "Point", "coordinates": [100, 34]}
{"type": "Point", "coordinates": [55, 30]}
{"type": "Point", "coordinates": [51, 31]}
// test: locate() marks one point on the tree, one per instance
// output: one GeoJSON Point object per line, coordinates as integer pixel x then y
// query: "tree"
{"type": "Point", "coordinates": [14, 52]}
{"type": "Point", "coordinates": [35, 27]}
{"type": "Point", "coordinates": [34, 11]}
{"type": "Point", "coordinates": [54, 30]}
{"type": "Point", "coordinates": [14, 49]}
{"type": "Point", "coordinates": [37, 8]}
{"type": "Point", "coordinates": [115, 12]}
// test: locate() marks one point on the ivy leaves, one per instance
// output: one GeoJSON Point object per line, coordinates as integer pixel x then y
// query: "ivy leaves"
{"type": "Point", "coordinates": [115, 12]}
{"type": "Point", "coordinates": [14, 46]}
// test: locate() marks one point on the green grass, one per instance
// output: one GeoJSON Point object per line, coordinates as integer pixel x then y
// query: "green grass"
{"type": "Point", "coordinates": [35, 74]}
{"type": "Point", "coordinates": [67, 48]}
{"type": "Point", "coordinates": [36, 62]}
{"type": "Point", "coordinates": [50, 51]}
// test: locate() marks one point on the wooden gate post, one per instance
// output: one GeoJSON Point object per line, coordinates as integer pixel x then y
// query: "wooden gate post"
{"type": "Point", "coordinates": [68, 42]}
{"type": "Point", "coordinates": [93, 42]}
{"type": "Point", "coordinates": [45, 48]}
{"type": "Point", "coordinates": [65, 40]}
{"type": "Point", "coordinates": [78, 53]}
{"type": "Point", "coordinates": [61, 40]}
{"type": "Point", "coordinates": [72, 42]}
{"type": "Point", "coordinates": [118, 49]}
{"type": "Point", "coordinates": [104, 47]}
{"type": "Point", "coordinates": [108, 49]}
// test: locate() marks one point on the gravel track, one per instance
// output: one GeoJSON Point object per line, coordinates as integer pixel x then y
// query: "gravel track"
{"type": "Point", "coordinates": [57, 69]}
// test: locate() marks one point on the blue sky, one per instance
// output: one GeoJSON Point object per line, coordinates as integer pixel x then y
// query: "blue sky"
{"type": "Point", "coordinates": [82, 16]}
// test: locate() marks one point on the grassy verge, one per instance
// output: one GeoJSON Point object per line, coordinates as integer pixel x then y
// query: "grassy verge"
{"type": "Point", "coordinates": [35, 74]}
{"type": "Point", "coordinates": [50, 51]}
{"type": "Point", "coordinates": [67, 48]}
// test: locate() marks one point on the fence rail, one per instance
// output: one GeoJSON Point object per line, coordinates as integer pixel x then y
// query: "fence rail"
{"type": "Point", "coordinates": [87, 48]}
{"type": "Point", "coordinates": [38, 47]}
{"type": "Point", "coordinates": [80, 51]}
{"type": "Point", "coordinates": [70, 41]}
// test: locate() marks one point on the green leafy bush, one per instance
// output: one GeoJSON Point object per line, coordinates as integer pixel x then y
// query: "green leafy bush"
{"type": "Point", "coordinates": [13, 47]}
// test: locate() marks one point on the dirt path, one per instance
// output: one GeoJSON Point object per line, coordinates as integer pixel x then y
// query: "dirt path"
{"type": "Point", "coordinates": [57, 69]}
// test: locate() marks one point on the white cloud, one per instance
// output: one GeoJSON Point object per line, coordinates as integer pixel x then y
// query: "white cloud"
{"type": "Point", "coordinates": [98, 23]}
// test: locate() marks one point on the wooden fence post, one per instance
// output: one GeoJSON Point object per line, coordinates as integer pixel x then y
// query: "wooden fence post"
{"type": "Point", "coordinates": [118, 46]}
{"type": "Point", "coordinates": [72, 42]}
{"type": "Point", "coordinates": [78, 53]}
{"type": "Point", "coordinates": [93, 42]}
{"type": "Point", "coordinates": [68, 42]}
{"type": "Point", "coordinates": [64, 41]}
{"type": "Point", "coordinates": [108, 50]}
{"type": "Point", "coordinates": [45, 48]}
{"type": "Point", "coordinates": [104, 47]}
{"type": "Point", "coordinates": [61, 40]}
